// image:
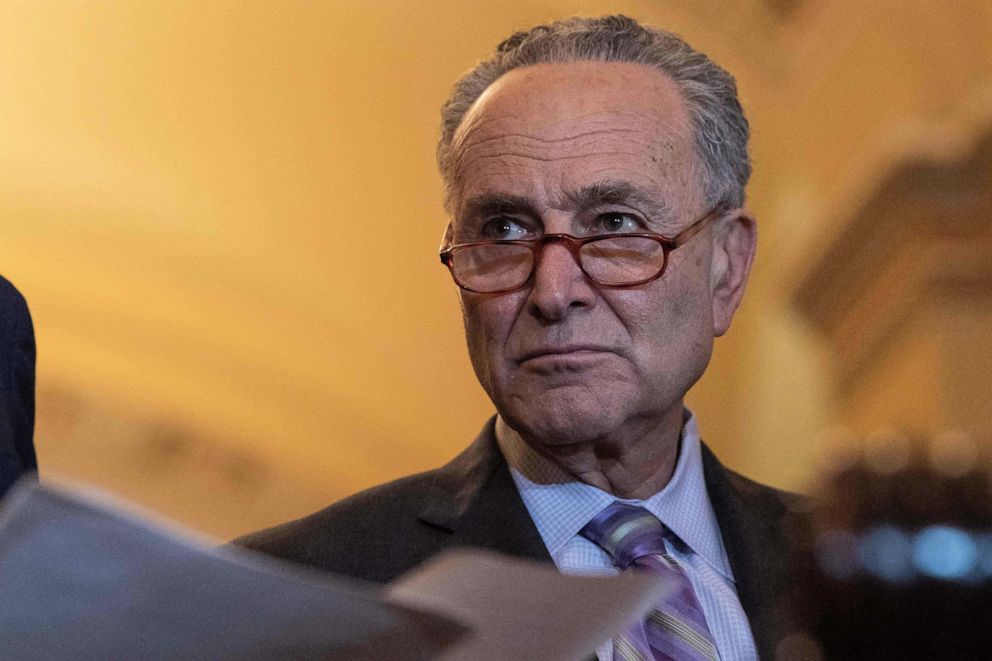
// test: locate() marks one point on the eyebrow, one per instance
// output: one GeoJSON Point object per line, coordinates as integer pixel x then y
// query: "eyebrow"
{"type": "Point", "coordinates": [622, 192]}
{"type": "Point", "coordinates": [599, 193]}
{"type": "Point", "coordinates": [493, 204]}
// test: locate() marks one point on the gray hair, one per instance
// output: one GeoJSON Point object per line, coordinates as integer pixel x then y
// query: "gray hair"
{"type": "Point", "coordinates": [709, 91]}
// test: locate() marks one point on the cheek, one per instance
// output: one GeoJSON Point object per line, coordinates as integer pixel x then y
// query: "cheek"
{"type": "Point", "coordinates": [488, 320]}
{"type": "Point", "coordinates": [484, 317]}
{"type": "Point", "coordinates": [671, 329]}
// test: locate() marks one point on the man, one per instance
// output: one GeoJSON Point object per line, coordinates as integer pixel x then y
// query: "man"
{"type": "Point", "coordinates": [17, 454]}
{"type": "Point", "coordinates": [595, 175]}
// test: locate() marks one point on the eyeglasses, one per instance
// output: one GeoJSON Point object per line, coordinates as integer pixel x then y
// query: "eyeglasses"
{"type": "Point", "coordinates": [615, 261]}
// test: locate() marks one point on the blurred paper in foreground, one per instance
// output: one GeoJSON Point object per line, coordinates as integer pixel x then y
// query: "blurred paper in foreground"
{"type": "Point", "coordinates": [83, 579]}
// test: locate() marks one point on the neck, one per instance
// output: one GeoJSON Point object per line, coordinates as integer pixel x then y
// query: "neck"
{"type": "Point", "coordinates": [634, 465]}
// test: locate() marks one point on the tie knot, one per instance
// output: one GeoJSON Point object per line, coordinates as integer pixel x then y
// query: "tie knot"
{"type": "Point", "coordinates": [626, 532]}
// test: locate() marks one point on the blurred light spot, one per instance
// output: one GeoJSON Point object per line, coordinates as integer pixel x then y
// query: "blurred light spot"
{"type": "Point", "coordinates": [886, 552]}
{"type": "Point", "coordinates": [944, 552]}
{"type": "Point", "coordinates": [984, 544]}
{"type": "Point", "coordinates": [838, 449]}
{"type": "Point", "coordinates": [798, 646]}
{"type": "Point", "coordinates": [887, 452]}
{"type": "Point", "coordinates": [953, 453]}
{"type": "Point", "coordinates": [836, 554]}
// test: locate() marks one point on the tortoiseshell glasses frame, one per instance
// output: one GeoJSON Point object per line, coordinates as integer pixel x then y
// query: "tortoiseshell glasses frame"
{"type": "Point", "coordinates": [614, 261]}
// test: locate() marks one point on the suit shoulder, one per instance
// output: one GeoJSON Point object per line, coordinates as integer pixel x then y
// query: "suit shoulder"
{"type": "Point", "coordinates": [358, 536]}
{"type": "Point", "coordinates": [14, 312]}
{"type": "Point", "coordinates": [10, 296]}
{"type": "Point", "coordinates": [748, 488]}
{"type": "Point", "coordinates": [722, 481]}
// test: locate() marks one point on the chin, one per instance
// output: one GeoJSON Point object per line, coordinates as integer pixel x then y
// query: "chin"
{"type": "Point", "coordinates": [562, 421]}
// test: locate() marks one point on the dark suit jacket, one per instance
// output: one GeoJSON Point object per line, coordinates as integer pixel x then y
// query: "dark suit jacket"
{"type": "Point", "coordinates": [16, 387]}
{"type": "Point", "coordinates": [379, 534]}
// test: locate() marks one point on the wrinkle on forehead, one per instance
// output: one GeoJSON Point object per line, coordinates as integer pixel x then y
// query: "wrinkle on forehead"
{"type": "Point", "coordinates": [561, 138]}
{"type": "Point", "coordinates": [640, 155]}
{"type": "Point", "coordinates": [598, 122]}
{"type": "Point", "coordinates": [631, 116]}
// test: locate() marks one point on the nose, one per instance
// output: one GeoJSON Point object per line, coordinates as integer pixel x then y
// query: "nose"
{"type": "Point", "coordinates": [559, 285]}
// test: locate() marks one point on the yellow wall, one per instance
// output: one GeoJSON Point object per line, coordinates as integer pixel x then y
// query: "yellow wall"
{"type": "Point", "coordinates": [225, 218]}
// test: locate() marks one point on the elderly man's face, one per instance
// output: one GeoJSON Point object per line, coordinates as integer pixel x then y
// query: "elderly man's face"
{"type": "Point", "coordinates": [584, 148]}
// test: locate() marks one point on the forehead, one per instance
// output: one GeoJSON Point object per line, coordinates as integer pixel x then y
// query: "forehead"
{"type": "Point", "coordinates": [548, 130]}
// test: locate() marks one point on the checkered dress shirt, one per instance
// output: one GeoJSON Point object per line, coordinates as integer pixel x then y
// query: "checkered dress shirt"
{"type": "Point", "coordinates": [560, 506]}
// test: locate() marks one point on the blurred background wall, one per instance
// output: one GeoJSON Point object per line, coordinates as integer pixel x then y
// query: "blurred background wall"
{"type": "Point", "coordinates": [225, 217]}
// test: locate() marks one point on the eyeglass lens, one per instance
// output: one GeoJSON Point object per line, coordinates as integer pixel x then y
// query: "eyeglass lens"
{"type": "Point", "coordinates": [611, 261]}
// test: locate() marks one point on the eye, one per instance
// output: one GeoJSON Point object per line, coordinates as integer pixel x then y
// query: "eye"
{"type": "Point", "coordinates": [616, 222]}
{"type": "Point", "coordinates": [502, 228]}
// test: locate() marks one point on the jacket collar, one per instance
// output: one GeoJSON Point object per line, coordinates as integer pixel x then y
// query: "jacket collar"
{"type": "Point", "coordinates": [474, 498]}
{"type": "Point", "coordinates": [759, 528]}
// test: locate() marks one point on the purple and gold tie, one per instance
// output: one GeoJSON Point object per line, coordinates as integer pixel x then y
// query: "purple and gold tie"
{"type": "Point", "coordinates": [675, 629]}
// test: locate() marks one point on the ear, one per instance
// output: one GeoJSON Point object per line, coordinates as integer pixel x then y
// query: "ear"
{"type": "Point", "coordinates": [734, 243]}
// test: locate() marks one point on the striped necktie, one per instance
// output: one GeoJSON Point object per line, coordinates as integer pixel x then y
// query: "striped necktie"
{"type": "Point", "coordinates": [675, 629]}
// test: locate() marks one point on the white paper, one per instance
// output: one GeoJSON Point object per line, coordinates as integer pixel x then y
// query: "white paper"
{"type": "Point", "coordinates": [518, 609]}
{"type": "Point", "coordinates": [81, 581]}
{"type": "Point", "coordinates": [81, 578]}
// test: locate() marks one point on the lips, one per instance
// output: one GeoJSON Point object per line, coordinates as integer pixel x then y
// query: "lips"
{"type": "Point", "coordinates": [564, 351]}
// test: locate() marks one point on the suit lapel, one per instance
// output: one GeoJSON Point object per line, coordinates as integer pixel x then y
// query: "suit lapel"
{"type": "Point", "coordinates": [475, 499]}
{"type": "Point", "coordinates": [752, 521]}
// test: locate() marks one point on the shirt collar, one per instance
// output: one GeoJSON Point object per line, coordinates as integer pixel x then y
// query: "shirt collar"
{"type": "Point", "coordinates": [560, 505]}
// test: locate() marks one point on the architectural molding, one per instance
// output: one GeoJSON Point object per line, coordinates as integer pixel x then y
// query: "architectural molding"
{"type": "Point", "coordinates": [906, 239]}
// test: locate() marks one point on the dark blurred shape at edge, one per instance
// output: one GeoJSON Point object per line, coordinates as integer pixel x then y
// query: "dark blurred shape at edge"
{"type": "Point", "coordinates": [898, 562]}
{"type": "Point", "coordinates": [17, 380]}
